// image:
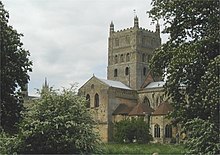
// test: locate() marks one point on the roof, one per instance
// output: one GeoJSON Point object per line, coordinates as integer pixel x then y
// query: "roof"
{"type": "Point", "coordinates": [141, 109]}
{"type": "Point", "coordinates": [158, 84]}
{"type": "Point", "coordinates": [149, 78]}
{"type": "Point", "coordinates": [115, 84]}
{"type": "Point", "coordinates": [122, 109]}
{"type": "Point", "coordinates": [163, 109]}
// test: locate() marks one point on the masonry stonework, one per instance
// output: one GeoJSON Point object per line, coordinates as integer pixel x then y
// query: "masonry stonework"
{"type": "Point", "coordinates": [129, 52]}
{"type": "Point", "coordinates": [129, 85]}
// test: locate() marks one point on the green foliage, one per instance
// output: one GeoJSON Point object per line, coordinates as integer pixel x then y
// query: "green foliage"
{"type": "Point", "coordinates": [203, 136]}
{"type": "Point", "coordinates": [135, 129]}
{"type": "Point", "coordinates": [58, 122]}
{"type": "Point", "coordinates": [14, 67]}
{"type": "Point", "coordinates": [134, 148]}
{"type": "Point", "coordinates": [190, 60]}
{"type": "Point", "coordinates": [8, 143]}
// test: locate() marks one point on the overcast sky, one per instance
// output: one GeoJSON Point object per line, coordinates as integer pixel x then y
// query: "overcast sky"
{"type": "Point", "coordinates": [68, 39]}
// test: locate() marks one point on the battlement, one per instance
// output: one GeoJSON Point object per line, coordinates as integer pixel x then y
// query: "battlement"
{"type": "Point", "coordinates": [122, 30]}
{"type": "Point", "coordinates": [132, 28]}
{"type": "Point", "coordinates": [135, 28]}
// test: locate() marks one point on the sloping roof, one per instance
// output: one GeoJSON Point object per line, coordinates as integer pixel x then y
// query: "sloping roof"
{"type": "Point", "coordinates": [122, 109]}
{"type": "Point", "coordinates": [158, 84]}
{"type": "Point", "coordinates": [149, 79]}
{"type": "Point", "coordinates": [163, 109]}
{"type": "Point", "coordinates": [115, 84]}
{"type": "Point", "coordinates": [141, 109]}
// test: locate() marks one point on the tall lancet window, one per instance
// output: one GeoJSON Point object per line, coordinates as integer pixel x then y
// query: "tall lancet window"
{"type": "Point", "coordinates": [126, 70]}
{"type": "Point", "coordinates": [127, 57]}
{"type": "Point", "coordinates": [96, 104]}
{"type": "Point", "coordinates": [168, 131]}
{"type": "Point", "coordinates": [115, 73]}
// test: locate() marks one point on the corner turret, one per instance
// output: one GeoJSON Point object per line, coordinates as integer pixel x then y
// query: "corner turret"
{"type": "Point", "coordinates": [45, 86]}
{"type": "Point", "coordinates": [136, 25]}
{"type": "Point", "coordinates": [111, 27]}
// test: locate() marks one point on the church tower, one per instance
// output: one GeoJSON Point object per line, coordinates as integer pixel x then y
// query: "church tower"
{"type": "Point", "coordinates": [129, 52]}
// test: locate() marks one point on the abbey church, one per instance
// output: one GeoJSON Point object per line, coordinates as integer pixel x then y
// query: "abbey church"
{"type": "Point", "coordinates": [130, 89]}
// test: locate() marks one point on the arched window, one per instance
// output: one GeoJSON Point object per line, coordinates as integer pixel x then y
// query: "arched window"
{"type": "Point", "coordinates": [128, 57]}
{"type": "Point", "coordinates": [87, 101]}
{"type": "Point", "coordinates": [144, 71]}
{"type": "Point", "coordinates": [115, 73]}
{"type": "Point", "coordinates": [96, 101]}
{"type": "Point", "coordinates": [126, 71]}
{"type": "Point", "coordinates": [143, 57]}
{"type": "Point", "coordinates": [122, 58]}
{"type": "Point", "coordinates": [157, 131]}
{"type": "Point", "coordinates": [146, 101]}
{"type": "Point", "coordinates": [116, 59]}
{"type": "Point", "coordinates": [168, 131]}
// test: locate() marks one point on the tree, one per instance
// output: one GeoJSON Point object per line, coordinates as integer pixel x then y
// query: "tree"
{"type": "Point", "coordinates": [129, 130]}
{"type": "Point", "coordinates": [190, 60]}
{"type": "Point", "coordinates": [15, 64]}
{"type": "Point", "coordinates": [58, 123]}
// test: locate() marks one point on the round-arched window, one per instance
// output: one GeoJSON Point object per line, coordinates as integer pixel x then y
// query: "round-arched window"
{"type": "Point", "coordinates": [126, 70]}
{"type": "Point", "coordinates": [96, 101]}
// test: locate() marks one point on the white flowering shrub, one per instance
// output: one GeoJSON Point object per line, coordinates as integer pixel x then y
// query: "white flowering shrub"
{"type": "Point", "coordinates": [58, 122]}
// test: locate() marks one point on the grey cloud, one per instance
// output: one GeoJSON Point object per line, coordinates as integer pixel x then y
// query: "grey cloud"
{"type": "Point", "coordinates": [67, 39]}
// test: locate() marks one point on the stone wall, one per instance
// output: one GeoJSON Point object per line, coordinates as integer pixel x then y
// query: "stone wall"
{"type": "Point", "coordinates": [155, 96]}
{"type": "Point", "coordinates": [131, 48]}
{"type": "Point", "coordinates": [162, 121]}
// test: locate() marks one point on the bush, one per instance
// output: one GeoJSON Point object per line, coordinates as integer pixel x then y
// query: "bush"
{"type": "Point", "coordinates": [131, 130]}
{"type": "Point", "coordinates": [8, 143]}
{"type": "Point", "coordinates": [58, 123]}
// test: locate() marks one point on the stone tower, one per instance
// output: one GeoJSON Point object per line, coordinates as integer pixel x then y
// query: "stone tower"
{"type": "Point", "coordinates": [129, 52]}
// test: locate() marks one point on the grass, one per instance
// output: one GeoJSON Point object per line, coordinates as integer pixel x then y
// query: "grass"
{"type": "Point", "coordinates": [113, 148]}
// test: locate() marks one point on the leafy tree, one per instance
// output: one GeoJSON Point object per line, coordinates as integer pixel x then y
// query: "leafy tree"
{"type": "Point", "coordinates": [203, 135]}
{"type": "Point", "coordinates": [58, 122]}
{"type": "Point", "coordinates": [190, 58]}
{"type": "Point", "coordinates": [15, 64]}
{"type": "Point", "coordinates": [129, 130]}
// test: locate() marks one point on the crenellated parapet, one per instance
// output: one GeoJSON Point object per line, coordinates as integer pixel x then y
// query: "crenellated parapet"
{"type": "Point", "coordinates": [135, 27]}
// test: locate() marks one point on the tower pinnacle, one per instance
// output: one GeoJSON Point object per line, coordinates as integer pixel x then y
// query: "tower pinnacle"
{"type": "Point", "coordinates": [136, 21]}
{"type": "Point", "coordinates": [111, 27]}
{"type": "Point", "coordinates": [45, 86]}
